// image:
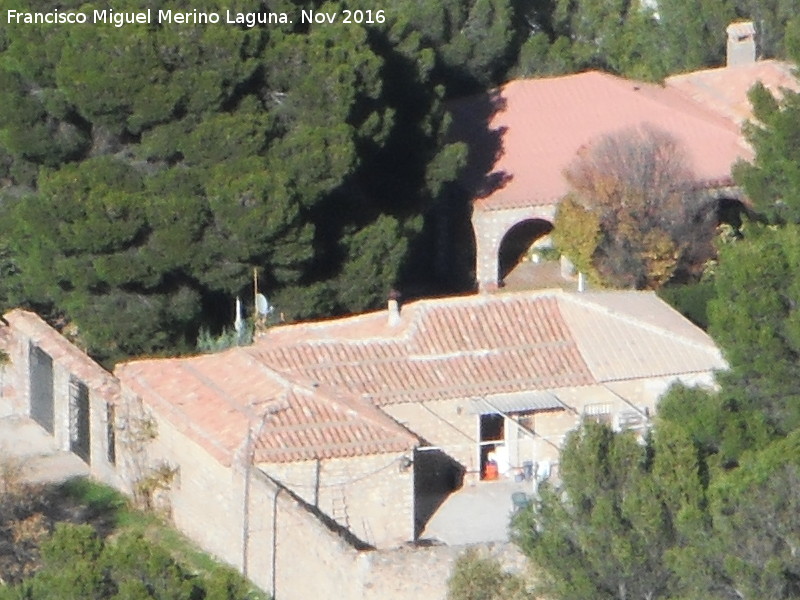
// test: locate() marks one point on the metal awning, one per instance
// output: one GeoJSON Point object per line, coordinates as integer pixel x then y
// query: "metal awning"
{"type": "Point", "coordinates": [515, 403]}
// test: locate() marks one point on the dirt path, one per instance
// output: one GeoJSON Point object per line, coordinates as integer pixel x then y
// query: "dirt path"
{"type": "Point", "coordinates": [25, 442]}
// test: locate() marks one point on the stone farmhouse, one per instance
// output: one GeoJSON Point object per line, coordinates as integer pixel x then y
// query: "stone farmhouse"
{"type": "Point", "coordinates": [313, 459]}
{"type": "Point", "coordinates": [524, 135]}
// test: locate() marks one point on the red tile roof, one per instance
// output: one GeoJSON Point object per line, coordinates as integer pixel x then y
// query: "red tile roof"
{"type": "Point", "coordinates": [725, 90]}
{"type": "Point", "coordinates": [450, 348]}
{"type": "Point", "coordinates": [491, 344]}
{"type": "Point", "coordinates": [220, 399]}
{"type": "Point", "coordinates": [543, 123]}
{"type": "Point", "coordinates": [322, 382]}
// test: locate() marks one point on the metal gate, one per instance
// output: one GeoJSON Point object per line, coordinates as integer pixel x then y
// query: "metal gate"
{"type": "Point", "coordinates": [41, 373]}
{"type": "Point", "coordinates": [79, 441]}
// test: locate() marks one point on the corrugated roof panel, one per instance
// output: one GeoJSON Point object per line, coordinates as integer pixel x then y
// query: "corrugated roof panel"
{"type": "Point", "coordinates": [514, 403]}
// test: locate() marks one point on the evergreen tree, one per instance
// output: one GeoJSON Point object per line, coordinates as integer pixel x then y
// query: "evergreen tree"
{"type": "Point", "coordinates": [772, 180]}
{"type": "Point", "coordinates": [176, 167]}
{"type": "Point", "coordinates": [622, 509]}
{"type": "Point", "coordinates": [755, 319]}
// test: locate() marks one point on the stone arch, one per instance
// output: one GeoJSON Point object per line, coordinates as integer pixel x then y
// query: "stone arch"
{"type": "Point", "coordinates": [729, 202]}
{"type": "Point", "coordinates": [517, 241]}
{"type": "Point", "coordinates": [490, 228]}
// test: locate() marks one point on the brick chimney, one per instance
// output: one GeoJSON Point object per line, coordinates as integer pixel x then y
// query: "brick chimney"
{"type": "Point", "coordinates": [741, 43]}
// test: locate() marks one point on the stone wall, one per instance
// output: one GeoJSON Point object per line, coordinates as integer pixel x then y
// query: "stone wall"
{"type": "Point", "coordinates": [292, 552]}
{"type": "Point", "coordinates": [23, 331]}
{"type": "Point", "coordinates": [372, 496]}
{"type": "Point", "coordinates": [446, 424]}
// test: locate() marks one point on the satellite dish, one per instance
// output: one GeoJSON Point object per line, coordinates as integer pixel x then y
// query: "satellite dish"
{"type": "Point", "coordinates": [262, 305]}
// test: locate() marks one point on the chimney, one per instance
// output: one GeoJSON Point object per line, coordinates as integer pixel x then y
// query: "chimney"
{"type": "Point", "coordinates": [741, 43]}
{"type": "Point", "coordinates": [394, 308]}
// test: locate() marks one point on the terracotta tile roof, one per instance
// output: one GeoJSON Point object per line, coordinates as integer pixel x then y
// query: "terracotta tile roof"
{"type": "Point", "coordinates": [64, 352]}
{"type": "Point", "coordinates": [218, 398]}
{"type": "Point", "coordinates": [637, 337]}
{"type": "Point", "coordinates": [450, 348]}
{"type": "Point", "coordinates": [321, 381]}
{"type": "Point", "coordinates": [491, 344]}
{"type": "Point", "coordinates": [544, 122]}
{"type": "Point", "coordinates": [725, 90]}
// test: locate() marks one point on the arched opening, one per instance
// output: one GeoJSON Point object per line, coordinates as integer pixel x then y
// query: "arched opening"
{"type": "Point", "coordinates": [730, 212]}
{"type": "Point", "coordinates": [518, 242]}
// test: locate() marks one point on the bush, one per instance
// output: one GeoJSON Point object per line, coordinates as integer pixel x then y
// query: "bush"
{"type": "Point", "coordinates": [477, 578]}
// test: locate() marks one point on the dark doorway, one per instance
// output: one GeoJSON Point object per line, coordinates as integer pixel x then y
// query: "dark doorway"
{"type": "Point", "coordinates": [517, 241]}
{"type": "Point", "coordinates": [41, 374]}
{"type": "Point", "coordinates": [436, 476]}
{"type": "Point", "coordinates": [79, 441]}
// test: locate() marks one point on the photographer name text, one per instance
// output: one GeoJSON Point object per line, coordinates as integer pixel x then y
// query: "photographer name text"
{"type": "Point", "coordinates": [193, 17]}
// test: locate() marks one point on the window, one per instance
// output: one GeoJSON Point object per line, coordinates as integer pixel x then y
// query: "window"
{"type": "Point", "coordinates": [599, 413]}
{"type": "Point", "coordinates": [633, 419]}
{"type": "Point", "coordinates": [111, 437]}
{"type": "Point", "coordinates": [79, 420]}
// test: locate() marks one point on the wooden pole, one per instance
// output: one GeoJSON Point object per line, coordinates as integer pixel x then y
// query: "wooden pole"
{"type": "Point", "coordinates": [255, 287]}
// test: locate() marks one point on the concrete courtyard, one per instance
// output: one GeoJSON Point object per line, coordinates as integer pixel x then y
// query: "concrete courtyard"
{"type": "Point", "coordinates": [477, 513]}
{"type": "Point", "coordinates": [23, 440]}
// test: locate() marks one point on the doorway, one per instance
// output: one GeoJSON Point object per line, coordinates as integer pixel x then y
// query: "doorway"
{"type": "Point", "coordinates": [41, 385]}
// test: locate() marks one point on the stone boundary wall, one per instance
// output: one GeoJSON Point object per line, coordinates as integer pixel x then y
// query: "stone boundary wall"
{"type": "Point", "coordinates": [371, 495]}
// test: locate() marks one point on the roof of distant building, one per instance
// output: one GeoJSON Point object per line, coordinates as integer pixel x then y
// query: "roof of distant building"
{"type": "Point", "coordinates": [540, 124]}
{"type": "Point", "coordinates": [725, 90]}
{"type": "Point", "coordinates": [313, 390]}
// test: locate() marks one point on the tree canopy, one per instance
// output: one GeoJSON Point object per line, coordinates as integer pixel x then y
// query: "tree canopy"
{"type": "Point", "coordinates": [141, 188]}
{"type": "Point", "coordinates": [622, 508]}
{"type": "Point", "coordinates": [631, 218]}
{"type": "Point", "coordinates": [646, 40]}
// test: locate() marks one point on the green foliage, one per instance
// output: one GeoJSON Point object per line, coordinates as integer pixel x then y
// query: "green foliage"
{"type": "Point", "coordinates": [755, 320]}
{"type": "Point", "coordinates": [621, 510]}
{"type": "Point", "coordinates": [756, 512]}
{"type": "Point", "coordinates": [478, 578]}
{"type": "Point", "coordinates": [691, 300]}
{"type": "Point", "coordinates": [228, 338]}
{"type": "Point", "coordinates": [78, 565]}
{"type": "Point", "coordinates": [70, 565]}
{"type": "Point", "coordinates": [632, 40]}
{"type": "Point", "coordinates": [177, 166]}
{"type": "Point", "coordinates": [772, 181]}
